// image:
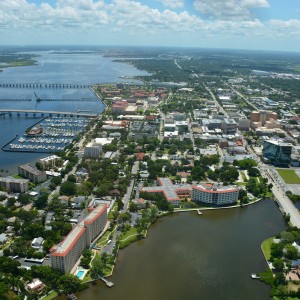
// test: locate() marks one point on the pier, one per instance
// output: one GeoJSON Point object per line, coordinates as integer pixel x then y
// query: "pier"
{"type": "Point", "coordinates": [46, 85]}
{"type": "Point", "coordinates": [107, 282]}
{"type": "Point", "coordinates": [47, 112]}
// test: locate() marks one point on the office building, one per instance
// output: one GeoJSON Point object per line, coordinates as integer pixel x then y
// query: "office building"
{"type": "Point", "coordinates": [259, 118]}
{"type": "Point", "coordinates": [278, 153]}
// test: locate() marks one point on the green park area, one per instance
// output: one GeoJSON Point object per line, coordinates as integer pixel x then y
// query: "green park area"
{"type": "Point", "coordinates": [289, 176]}
{"type": "Point", "coordinates": [266, 247]}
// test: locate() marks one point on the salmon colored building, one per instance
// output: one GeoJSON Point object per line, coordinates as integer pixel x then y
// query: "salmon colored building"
{"type": "Point", "coordinates": [65, 255]}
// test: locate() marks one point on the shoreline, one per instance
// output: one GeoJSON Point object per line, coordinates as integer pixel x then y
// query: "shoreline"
{"type": "Point", "coordinates": [217, 208]}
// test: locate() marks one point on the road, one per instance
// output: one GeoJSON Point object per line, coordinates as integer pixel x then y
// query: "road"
{"type": "Point", "coordinates": [161, 125]}
{"type": "Point", "coordinates": [189, 120]}
{"type": "Point", "coordinates": [215, 100]}
{"type": "Point", "coordinates": [244, 98]}
{"type": "Point", "coordinates": [278, 190]}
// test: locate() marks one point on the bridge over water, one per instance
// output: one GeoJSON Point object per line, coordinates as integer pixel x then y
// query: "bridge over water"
{"type": "Point", "coordinates": [42, 100]}
{"type": "Point", "coordinates": [81, 113]}
{"type": "Point", "coordinates": [46, 85]}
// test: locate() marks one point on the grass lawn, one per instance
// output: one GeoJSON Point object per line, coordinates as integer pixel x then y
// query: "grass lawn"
{"type": "Point", "coordinates": [243, 175]}
{"type": "Point", "coordinates": [104, 239]}
{"type": "Point", "coordinates": [128, 233]}
{"type": "Point", "coordinates": [266, 247]}
{"type": "Point", "coordinates": [87, 278]}
{"type": "Point", "coordinates": [52, 295]}
{"type": "Point", "coordinates": [289, 176]}
{"type": "Point", "coordinates": [115, 208]}
{"type": "Point", "coordinates": [129, 237]}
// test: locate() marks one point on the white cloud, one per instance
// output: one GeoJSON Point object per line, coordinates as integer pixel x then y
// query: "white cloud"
{"type": "Point", "coordinates": [173, 3]}
{"type": "Point", "coordinates": [229, 9]}
{"type": "Point", "coordinates": [130, 21]}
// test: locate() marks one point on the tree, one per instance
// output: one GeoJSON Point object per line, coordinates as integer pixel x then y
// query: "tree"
{"type": "Point", "coordinates": [41, 201]}
{"type": "Point", "coordinates": [253, 172]}
{"type": "Point", "coordinates": [39, 165]}
{"type": "Point", "coordinates": [11, 201]}
{"type": "Point", "coordinates": [69, 283]}
{"type": "Point", "coordinates": [72, 178]}
{"type": "Point", "coordinates": [3, 291]}
{"type": "Point", "coordinates": [133, 207]}
{"type": "Point", "coordinates": [24, 199]}
{"type": "Point", "coordinates": [278, 264]}
{"type": "Point", "coordinates": [242, 194]}
{"type": "Point", "coordinates": [56, 180]}
{"type": "Point", "coordinates": [125, 217]}
{"type": "Point", "coordinates": [68, 188]}
{"type": "Point", "coordinates": [277, 250]}
{"type": "Point", "coordinates": [102, 190]}
{"type": "Point", "coordinates": [9, 266]}
{"type": "Point", "coordinates": [291, 252]}
{"type": "Point", "coordinates": [280, 279]}
{"type": "Point", "coordinates": [212, 175]}
{"type": "Point", "coordinates": [97, 268]}
{"type": "Point", "coordinates": [198, 173]}
{"type": "Point", "coordinates": [245, 164]}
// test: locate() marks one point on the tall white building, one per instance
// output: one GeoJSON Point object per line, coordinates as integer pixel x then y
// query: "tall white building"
{"type": "Point", "coordinates": [94, 149]}
{"type": "Point", "coordinates": [65, 255]}
{"type": "Point", "coordinates": [49, 162]}
{"type": "Point", "coordinates": [214, 195]}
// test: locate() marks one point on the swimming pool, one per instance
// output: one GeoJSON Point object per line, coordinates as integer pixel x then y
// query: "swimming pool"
{"type": "Point", "coordinates": [80, 274]}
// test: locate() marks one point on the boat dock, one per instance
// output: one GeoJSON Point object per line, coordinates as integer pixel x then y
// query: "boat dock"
{"type": "Point", "coordinates": [107, 282]}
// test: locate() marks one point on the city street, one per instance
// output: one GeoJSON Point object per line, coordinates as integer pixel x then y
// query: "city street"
{"type": "Point", "coordinates": [278, 190]}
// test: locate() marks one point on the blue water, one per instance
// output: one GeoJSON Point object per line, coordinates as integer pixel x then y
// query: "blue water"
{"type": "Point", "coordinates": [79, 274]}
{"type": "Point", "coordinates": [53, 67]}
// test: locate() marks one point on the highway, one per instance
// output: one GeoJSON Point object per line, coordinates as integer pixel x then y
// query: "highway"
{"type": "Point", "coordinates": [278, 190]}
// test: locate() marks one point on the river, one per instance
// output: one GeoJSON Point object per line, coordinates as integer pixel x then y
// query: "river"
{"type": "Point", "coordinates": [186, 256]}
{"type": "Point", "coordinates": [53, 66]}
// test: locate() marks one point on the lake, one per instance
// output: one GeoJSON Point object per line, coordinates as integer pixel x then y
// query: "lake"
{"type": "Point", "coordinates": [187, 256]}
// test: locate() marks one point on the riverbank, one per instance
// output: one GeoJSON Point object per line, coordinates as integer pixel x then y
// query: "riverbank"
{"type": "Point", "coordinates": [216, 208]}
{"type": "Point", "coordinates": [282, 274]}
{"type": "Point", "coordinates": [183, 250]}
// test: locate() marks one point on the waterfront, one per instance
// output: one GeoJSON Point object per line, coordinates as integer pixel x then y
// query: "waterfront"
{"type": "Point", "coordinates": [53, 66]}
{"type": "Point", "coordinates": [54, 134]}
{"type": "Point", "coordinates": [186, 256]}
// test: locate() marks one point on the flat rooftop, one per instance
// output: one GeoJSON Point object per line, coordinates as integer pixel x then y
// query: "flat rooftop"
{"type": "Point", "coordinates": [31, 170]}
{"type": "Point", "coordinates": [66, 245]}
{"type": "Point", "coordinates": [96, 212]}
{"type": "Point", "coordinates": [16, 180]}
{"type": "Point", "coordinates": [279, 143]}
{"type": "Point", "coordinates": [169, 189]}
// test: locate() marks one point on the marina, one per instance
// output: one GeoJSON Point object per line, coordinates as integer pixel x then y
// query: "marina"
{"type": "Point", "coordinates": [51, 134]}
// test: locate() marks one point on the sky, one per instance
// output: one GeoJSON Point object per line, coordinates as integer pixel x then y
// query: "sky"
{"type": "Point", "coordinates": [235, 24]}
